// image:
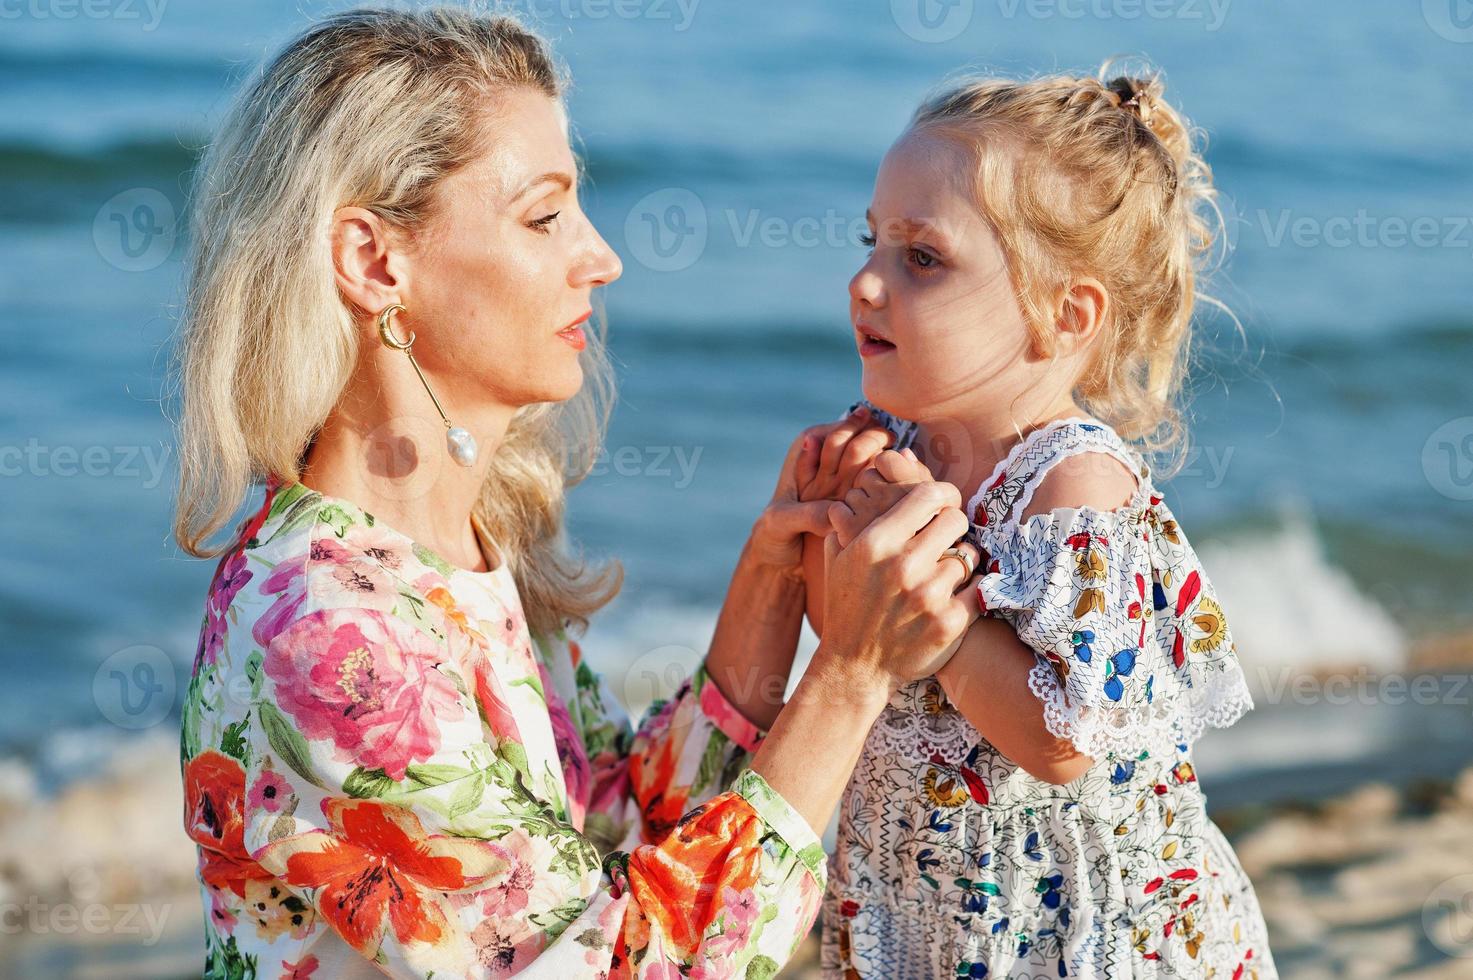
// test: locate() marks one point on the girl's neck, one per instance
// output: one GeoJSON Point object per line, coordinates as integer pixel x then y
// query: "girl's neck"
{"type": "Point", "coordinates": [965, 448]}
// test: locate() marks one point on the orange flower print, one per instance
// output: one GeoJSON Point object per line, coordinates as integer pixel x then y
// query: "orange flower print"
{"type": "Point", "coordinates": [377, 870]}
{"type": "Point", "coordinates": [214, 797]}
{"type": "Point", "coordinates": [680, 882]}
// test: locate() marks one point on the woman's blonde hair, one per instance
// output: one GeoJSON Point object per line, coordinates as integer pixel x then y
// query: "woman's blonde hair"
{"type": "Point", "coordinates": [370, 108]}
{"type": "Point", "coordinates": [1092, 177]}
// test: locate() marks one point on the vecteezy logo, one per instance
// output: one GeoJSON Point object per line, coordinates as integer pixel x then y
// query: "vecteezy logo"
{"type": "Point", "coordinates": [1447, 459]}
{"type": "Point", "coordinates": [1450, 19]}
{"type": "Point", "coordinates": [134, 231]}
{"type": "Point", "coordinates": [134, 688]}
{"type": "Point", "coordinates": [932, 21]}
{"type": "Point", "coordinates": [666, 231]}
{"type": "Point", "coordinates": [1447, 916]}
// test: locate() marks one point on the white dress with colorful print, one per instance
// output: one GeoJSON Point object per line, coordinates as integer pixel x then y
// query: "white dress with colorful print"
{"type": "Point", "coordinates": [386, 774]}
{"type": "Point", "coordinates": [952, 861]}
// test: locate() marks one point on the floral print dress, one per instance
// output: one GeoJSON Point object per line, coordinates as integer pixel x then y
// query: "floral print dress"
{"type": "Point", "coordinates": [386, 774]}
{"type": "Point", "coordinates": [952, 861]}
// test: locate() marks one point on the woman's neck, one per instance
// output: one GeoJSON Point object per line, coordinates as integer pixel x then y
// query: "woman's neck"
{"type": "Point", "coordinates": [387, 454]}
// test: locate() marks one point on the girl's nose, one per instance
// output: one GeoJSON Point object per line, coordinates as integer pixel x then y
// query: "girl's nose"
{"type": "Point", "coordinates": [866, 286]}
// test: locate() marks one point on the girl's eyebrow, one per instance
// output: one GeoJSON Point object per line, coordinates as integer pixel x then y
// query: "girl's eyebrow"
{"type": "Point", "coordinates": [915, 226]}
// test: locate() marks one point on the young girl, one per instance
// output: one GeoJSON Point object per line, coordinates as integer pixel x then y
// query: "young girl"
{"type": "Point", "coordinates": [1023, 322]}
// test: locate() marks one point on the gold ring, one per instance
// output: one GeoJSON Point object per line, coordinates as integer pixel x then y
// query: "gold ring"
{"type": "Point", "coordinates": [962, 557]}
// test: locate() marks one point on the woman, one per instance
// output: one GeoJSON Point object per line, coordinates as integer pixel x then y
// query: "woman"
{"type": "Point", "coordinates": [395, 759]}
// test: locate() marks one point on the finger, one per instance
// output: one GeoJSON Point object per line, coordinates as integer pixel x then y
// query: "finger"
{"type": "Point", "coordinates": [892, 530]}
{"type": "Point", "coordinates": [830, 552]}
{"type": "Point", "coordinates": [969, 599]}
{"type": "Point", "coordinates": [802, 518]}
{"type": "Point", "coordinates": [844, 522]}
{"type": "Point", "coordinates": [833, 445]}
{"type": "Point", "coordinates": [940, 533]}
{"type": "Point", "coordinates": [898, 468]}
{"type": "Point", "coordinates": [863, 448]}
{"type": "Point", "coordinates": [956, 574]}
{"type": "Point", "coordinates": [806, 465]}
{"type": "Point", "coordinates": [872, 480]}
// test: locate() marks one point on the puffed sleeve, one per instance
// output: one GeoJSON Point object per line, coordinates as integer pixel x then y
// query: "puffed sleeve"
{"type": "Point", "coordinates": [1133, 645]}
{"type": "Point", "coordinates": [688, 748]}
{"type": "Point", "coordinates": [432, 851]}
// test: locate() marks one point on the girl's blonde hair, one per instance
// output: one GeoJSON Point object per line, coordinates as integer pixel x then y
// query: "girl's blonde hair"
{"type": "Point", "coordinates": [1088, 177]}
{"type": "Point", "coordinates": [370, 108]}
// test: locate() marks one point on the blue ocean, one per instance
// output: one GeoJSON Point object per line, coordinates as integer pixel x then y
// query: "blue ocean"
{"type": "Point", "coordinates": [730, 152]}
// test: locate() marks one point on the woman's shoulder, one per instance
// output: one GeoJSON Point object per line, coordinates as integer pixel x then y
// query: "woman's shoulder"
{"type": "Point", "coordinates": [305, 554]}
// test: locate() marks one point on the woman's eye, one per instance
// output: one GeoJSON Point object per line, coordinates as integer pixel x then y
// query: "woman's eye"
{"type": "Point", "coordinates": [923, 260]}
{"type": "Point", "coordinates": [541, 224]}
{"type": "Point", "coordinates": [868, 241]}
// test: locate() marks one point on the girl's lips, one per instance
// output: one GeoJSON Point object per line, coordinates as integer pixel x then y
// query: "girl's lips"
{"type": "Point", "coordinates": [871, 345]}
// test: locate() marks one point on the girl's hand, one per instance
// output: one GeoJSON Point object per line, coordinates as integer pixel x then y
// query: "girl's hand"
{"type": "Point", "coordinates": [848, 448]}
{"type": "Point", "coordinates": [777, 536]}
{"type": "Point", "coordinates": [877, 488]}
{"type": "Point", "coordinates": [891, 604]}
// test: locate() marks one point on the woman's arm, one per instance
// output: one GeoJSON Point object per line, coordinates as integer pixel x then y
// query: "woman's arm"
{"type": "Point", "coordinates": [756, 637]}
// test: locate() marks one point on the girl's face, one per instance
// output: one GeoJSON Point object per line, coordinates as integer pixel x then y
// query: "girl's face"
{"type": "Point", "coordinates": [503, 278]}
{"type": "Point", "coordinates": [939, 328]}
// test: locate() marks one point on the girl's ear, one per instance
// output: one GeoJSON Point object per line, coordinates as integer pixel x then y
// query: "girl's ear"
{"type": "Point", "coordinates": [1081, 315]}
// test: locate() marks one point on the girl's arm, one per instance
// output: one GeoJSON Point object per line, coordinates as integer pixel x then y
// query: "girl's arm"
{"type": "Point", "coordinates": [987, 680]}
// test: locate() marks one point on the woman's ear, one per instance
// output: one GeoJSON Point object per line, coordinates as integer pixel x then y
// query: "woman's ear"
{"type": "Point", "coordinates": [1081, 315]}
{"type": "Point", "coordinates": [367, 268]}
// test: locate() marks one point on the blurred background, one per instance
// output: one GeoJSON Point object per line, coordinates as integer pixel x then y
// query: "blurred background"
{"type": "Point", "coordinates": [731, 149]}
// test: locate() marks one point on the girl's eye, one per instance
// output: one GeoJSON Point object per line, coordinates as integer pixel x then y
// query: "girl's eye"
{"type": "Point", "coordinates": [923, 260]}
{"type": "Point", "coordinates": [541, 224]}
{"type": "Point", "coordinates": [867, 240]}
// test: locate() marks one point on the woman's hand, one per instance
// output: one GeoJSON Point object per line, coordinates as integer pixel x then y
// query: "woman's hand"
{"type": "Point", "coordinates": [820, 467]}
{"type": "Point", "coordinates": [892, 607]}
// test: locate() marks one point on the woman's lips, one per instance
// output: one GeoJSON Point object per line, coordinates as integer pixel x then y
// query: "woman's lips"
{"type": "Point", "coordinates": [573, 332]}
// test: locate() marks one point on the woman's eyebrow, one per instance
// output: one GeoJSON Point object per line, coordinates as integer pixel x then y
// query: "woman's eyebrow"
{"type": "Point", "coordinates": [552, 176]}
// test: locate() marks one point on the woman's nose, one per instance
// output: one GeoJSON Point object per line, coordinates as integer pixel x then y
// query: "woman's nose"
{"type": "Point", "coordinates": [600, 265]}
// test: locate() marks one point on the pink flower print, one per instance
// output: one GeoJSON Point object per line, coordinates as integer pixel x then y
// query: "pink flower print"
{"type": "Point", "coordinates": [741, 911]}
{"type": "Point", "coordinates": [383, 546]}
{"type": "Point", "coordinates": [521, 886]}
{"type": "Point", "coordinates": [345, 578]}
{"type": "Point", "coordinates": [233, 574]}
{"type": "Point", "coordinates": [571, 752]}
{"type": "Point", "coordinates": [503, 949]}
{"type": "Point", "coordinates": [367, 682]}
{"type": "Point", "coordinates": [268, 792]}
{"type": "Point", "coordinates": [302, 970]}
{"type": "Point", "coordinates": [212, 635]}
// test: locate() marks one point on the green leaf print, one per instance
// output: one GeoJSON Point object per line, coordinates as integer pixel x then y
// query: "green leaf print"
{"type": "Point", "coordinates": [467, 795]}
{"type": "Point", "coordinates": [366, 784]}
{"type": "Point", "coordinates": [336, 518]}
{"type": "Point", "coordinates": [233, 742]}
{"type": "Point", "coordinates": [762, 968]}
{"type": "Point", "coordinates": [286, 741]}
{"type": "Point", "coordinates": [428, 557]}
{"type": "Point", "coordinates": [711, 761]}
{"type": "Point", "coordinates": [226, 962]}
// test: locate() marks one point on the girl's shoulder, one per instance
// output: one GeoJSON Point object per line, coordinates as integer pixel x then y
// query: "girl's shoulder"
{"type": "Point", "coordinates": [1003, 497]}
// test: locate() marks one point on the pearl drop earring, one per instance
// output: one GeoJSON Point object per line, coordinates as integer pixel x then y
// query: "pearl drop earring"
{"type": "Point", "coordinates": [460, 443]}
